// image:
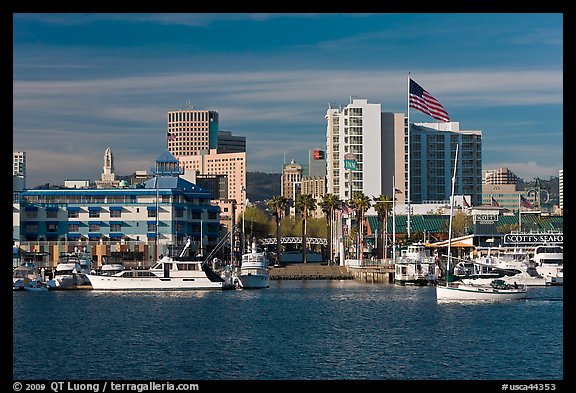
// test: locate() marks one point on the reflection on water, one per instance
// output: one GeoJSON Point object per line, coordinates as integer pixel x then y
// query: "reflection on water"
{"type": "Point", "coordinates": [305, 330]}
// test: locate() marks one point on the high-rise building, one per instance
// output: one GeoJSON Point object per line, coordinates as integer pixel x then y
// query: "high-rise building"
{"type": "Point", "coordinates": [433, 147]}
{"type": "Point", "coordinates": [500, 176]}
{"type": "Point", "coordinates": [191, 131]}
{"type": "Point", "coordinates": [291, 180]}
{"type": "Point", "coordinates": [561, 189]}
{"type": "Point", "coordinates": [19, 170]}
{"type": "Point", "coordinates": [370, 148]}
{"type": "Point", "coordinates": [228, 143]}
{"type": "Point", "coordinates": [194, 139]}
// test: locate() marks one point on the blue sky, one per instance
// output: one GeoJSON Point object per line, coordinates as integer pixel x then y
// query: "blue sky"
{"type": "Point", "coordinates": [85, 82]}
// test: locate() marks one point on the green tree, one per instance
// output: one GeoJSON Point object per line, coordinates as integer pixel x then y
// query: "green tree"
{"type": "Point", "coordinates": [305, 203]}
{"type": "Point", "coordinates": [330, 204]}
{"type": "Point", "coordinates": [360, 203]}
{"type": "Point", "coordinates": [278, 204]}
{"type": "Point", "coordinates": [256, 223]}
{"type": "Point", "coordinates": [383, 207]}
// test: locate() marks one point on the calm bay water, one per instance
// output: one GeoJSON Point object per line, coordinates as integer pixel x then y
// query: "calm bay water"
{"type": "Point", "coordinates": [294, 330]}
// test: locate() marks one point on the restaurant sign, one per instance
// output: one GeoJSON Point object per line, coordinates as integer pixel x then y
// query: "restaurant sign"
{"type": "Point", "coordinates": [533, 238]}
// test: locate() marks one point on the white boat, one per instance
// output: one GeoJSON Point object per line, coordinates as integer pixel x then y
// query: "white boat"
{"type": "Point", "coordinates": [70, 272]}
{"type": "Point", "coordinates": [415, 266]}
{"type": "Point", "coordinates": [110, 266]}
{"type": "Point", "coordinates": [168, 273]}
{"type": "Point", "coordinates": [254, 270]}
{"type": "Point", "coordinates": [549, 261]}
{"type": "Point", "coordinates": [497, 290]}
{"type": "Point", "coordinates": [23, 275]}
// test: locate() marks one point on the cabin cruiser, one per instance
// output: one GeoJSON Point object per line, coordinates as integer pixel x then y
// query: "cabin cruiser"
{"type": "Point", "coordinates": [254, 270]}
{"type": "Point", "coordinates": [549, 261]}
{"type": "Point", "coordinates": [168, 273]}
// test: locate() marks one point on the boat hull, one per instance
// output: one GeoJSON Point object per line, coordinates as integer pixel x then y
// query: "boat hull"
{"type": "Point", "coordinates": [472, 292]}
{"type": "Point", "coordinates": [420, 282]}
{"type": "Point", "coordinates": [254, 281]}
{"type": "Point", "coordinates": [103, 282]}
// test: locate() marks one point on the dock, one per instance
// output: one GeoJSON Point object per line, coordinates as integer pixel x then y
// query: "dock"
{"type": "Point", "coordinates": [309, 271]}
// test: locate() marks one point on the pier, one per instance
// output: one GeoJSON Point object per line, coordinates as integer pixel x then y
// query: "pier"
{"type": "Point", "coordinates": [367, 271]}
{"type": "Point", "coordinates": [309, 271]}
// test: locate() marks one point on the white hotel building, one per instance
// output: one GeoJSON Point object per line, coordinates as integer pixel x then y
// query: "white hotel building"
{"type": "Point", "coordinates": [378, 142]}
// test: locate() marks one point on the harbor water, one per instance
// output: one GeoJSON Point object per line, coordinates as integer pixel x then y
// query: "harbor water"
{"type": "Point", "coordinates": [293, 330]}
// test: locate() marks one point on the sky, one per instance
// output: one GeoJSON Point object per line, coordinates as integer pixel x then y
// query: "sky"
{"type": "Point", "coordinates": [85, 82]}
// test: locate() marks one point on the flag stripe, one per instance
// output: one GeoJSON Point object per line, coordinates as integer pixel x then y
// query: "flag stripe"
{"type": "Point", "coordinates": [423, 101]}
{"type": "Point", "coordinates": [524, 202]}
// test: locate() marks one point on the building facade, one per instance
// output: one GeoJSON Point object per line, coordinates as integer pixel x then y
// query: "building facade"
{"type": "Point", "coordinates": [160, 212]}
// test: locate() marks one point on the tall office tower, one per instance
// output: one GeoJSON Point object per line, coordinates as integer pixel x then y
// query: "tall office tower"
{"type": "Point", "coordinates": [561, 189]}
{"type": "Point", "coordinates": [360, 135]}
{"type": "Point", "coordinates": [194, 138]}
{"type": "Point", "coordinates": [500, 176]}
{"type": "Point", "coordinates": [433, 146]}
{"type": "Point", "coordinates": [19, 170]}
{"type": "Point", "coordinates": [291, 180]}
{"type": "Point", "coordinates": [191, 131]}
{"type": "Point", "coordinates": [228, 143]}
{"type": "Point", "coordinates": [231, 165]}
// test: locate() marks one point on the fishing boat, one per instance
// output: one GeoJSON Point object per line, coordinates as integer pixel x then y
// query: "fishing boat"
{"type": "Point", "coordinates": [415, 266]}
{"type": "Point", "coordinates": [497, 290]}
{"type": "Point", "coordinates": [168, 273]}
{"type": "Point", "coordinates": [254, 271]}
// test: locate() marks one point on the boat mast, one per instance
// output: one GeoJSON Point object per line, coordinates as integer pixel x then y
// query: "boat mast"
{"type": "Point", "coordinates": [451, 214]}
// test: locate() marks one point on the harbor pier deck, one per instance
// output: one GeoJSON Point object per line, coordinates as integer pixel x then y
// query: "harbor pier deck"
{"type": "Point", "coordinates": [309, 271]}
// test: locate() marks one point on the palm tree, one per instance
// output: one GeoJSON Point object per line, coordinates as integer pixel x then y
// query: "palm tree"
{"type": "Point", "coordinates": [360, 203]}
{"type": "Point", "coordinates": [330, 203]}
{"type": "Point", "coordinates": [305, 203]}
{"type": "Point", "coordinates": [383, 207]}
{"type": "Point", "coordinates": [278, 204]}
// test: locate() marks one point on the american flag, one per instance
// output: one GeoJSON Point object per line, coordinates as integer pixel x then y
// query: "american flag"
{"type": "Point", "coordinates": [495, 202]}
{"type": "Point", "coordinates": [346, 210]}
{"type": "Point", "coordinates": [422, 100]}
{"type": "Point", "coordinates": [524, 203]}
{"type": "Point", "coordinates": [464, 202]}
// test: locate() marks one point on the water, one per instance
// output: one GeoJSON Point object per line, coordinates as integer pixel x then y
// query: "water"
{"type": "Point", "coordinates": [294, 330]}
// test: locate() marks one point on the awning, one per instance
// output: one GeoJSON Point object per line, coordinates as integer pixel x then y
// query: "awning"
{"type": "Point", "coordinates": [73, 208]}
{"type": "Point", "coordinates": [151, 207]}
{"type": "Point", "coordinates": [94, 222]}
{"type": "Point", "coordinates": [51, 236]}
{"type": "Point", "coordinates": [95, 235]}
{"type": "Point", "coordinates": [31, 208]}
{"type": "Point", "coordinates": [52, 208]}
{"type": "Point", "coordinates": [115, 234]}
{"type": "Point", "coordinates": [115, 222]}
{"type": "Point", "coordinates": [94, 208]}
{"type": "Point", "coordinates": [115, 208]}
{"type": "Point", "coordinates": [73, 236]}
{"type": "Point", "coordinates": [151, 234]}
{"type": "Point", "coordinates": [179, 208]}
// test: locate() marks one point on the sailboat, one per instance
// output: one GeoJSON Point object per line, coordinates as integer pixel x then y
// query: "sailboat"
{"type": "Point", "coordinates": [496, 290]}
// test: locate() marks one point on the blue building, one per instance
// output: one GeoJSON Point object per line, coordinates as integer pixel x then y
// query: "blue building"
{"type": "Point", "coordinates": [160, 212]}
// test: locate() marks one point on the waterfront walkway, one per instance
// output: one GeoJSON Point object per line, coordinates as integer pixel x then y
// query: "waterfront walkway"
{"type": "Point", "coordinates": [309, 271]}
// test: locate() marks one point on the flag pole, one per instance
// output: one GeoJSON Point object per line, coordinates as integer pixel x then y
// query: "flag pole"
{"type": "Point", "coordinates": [408, 172]}
{"type": "Point", "coordinates": [519, 214]}
{"type": "Point", "coordinates": [393, 220]}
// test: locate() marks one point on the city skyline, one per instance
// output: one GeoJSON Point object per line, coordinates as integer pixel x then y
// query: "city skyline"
{"type": "Point", "coordinates": [85, 82]}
